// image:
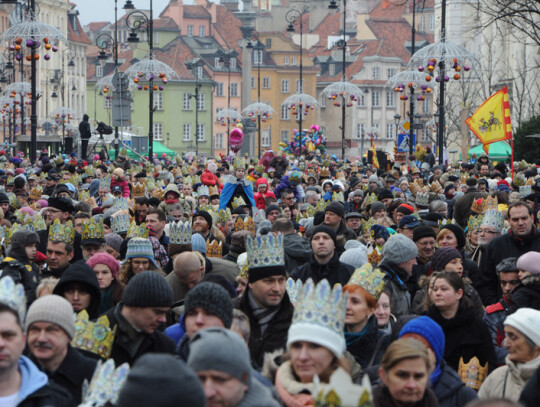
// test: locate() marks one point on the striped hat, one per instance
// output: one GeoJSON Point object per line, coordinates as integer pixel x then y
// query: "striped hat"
{"type": "Point", "coordinates": [139, 247]}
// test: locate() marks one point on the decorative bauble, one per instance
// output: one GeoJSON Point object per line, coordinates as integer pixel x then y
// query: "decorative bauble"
{"type": "Point", "coordinates": [421, 68]}
{"type": "Point", "coordinates": [29, 57]}
{"type": "Point", "coordinates": [456, 77]}
{"type": "Point", "coordinates": [428, 78]}
{"type": "Point", "coordinates": [55, 48]}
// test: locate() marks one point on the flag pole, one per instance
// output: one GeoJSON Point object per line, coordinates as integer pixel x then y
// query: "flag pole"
{"type": "Point", "coordinates": [512, 148]}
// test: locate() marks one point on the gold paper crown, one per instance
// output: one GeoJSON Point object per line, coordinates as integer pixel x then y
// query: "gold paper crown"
{"type": "Point", "coordinates": [237, 202]}
{"type": "Point", "coordinates": [370, 198]}
{"type": "Point", "coordinates": [214, 249]}
{"type": "Point", "coordinates": [224, 215]}
{"type": "Point", "coordinates": [374, 256]}
{"type": "Point", "coordinates": [150, 184]}
{"type": "Point", "coordinates": [95, 337]}
{"type": "Point", "coordinates": [473, 373]}
{"type": "Point", "coordinates": [248, 224]}
{"type": "Point", "coordinates": [338, 196]}
{"type": "Point", "coordinates": [479, 205]}
{"type": "Point", "coordinates": [239, 163]}
{"type": "Point", "coordinates": [436, 187]}
{"type": "Point", "coordinates": [321, 205]}
{"type": "Point", "coordinates": [180, 233]}
{"type": "Point", "coordinates": [62, 233]}
{"type": "Point", "coordinates": [324, 172]}
{"type": "Point", "coordinates": [213, 190]}
{"type": "Point", "coordinates": [366, 227]}
{"type": "Point", "coordinates": [530, 181]}
{"type": "Point", "coordinates": [188, 180]}
{"type": "Point", "coordinates": [474, 222]}
{"type": "Point", "coordinates": [158, 193]}
{"type": "Point", "coordinates": [342, 392]}
{"type": "Point", "coordinates": [36, 192]}
{"type": "Point", "coordinates": [370, 280]}
{"type": "Point", "coordinates": [442, 223]}
{"type": "Point", "coordinates": [196, 179]}
{"type": "Point", "coordinates": [492, 203]}
{"type": "Point", "coordinates": [13, 200]}
{"type": "Point", "coordinates": [137, 231]}
{"type": "Point", "coordinates": [92, 229]}
{"type": "Point", "coordinates": [138, 189]}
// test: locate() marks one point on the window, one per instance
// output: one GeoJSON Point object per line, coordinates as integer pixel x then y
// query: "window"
{"type": "Point", "coordinates": [360, 130]}
{"type": "Point", "coordinates": [362, 100]}
{"type": "Point", "coordinates": [219, 141]}
{"type": "Point", "coordinates": [432, 22]}
{"type": "Point", "coordinates": [332, 69]}
{"type": "Point", "coordinates": [390, 98]}
{"type": "Point", "coordinates": [285, 86]}
{"type": "Point", "coordinates": [284, 135]}
{"type": "Point", "coordinates": [322, 100]}
{"type": "Point", "coordinates": [299, 87]}
{"type": "Point", "coordinates": [376, 73]}
{"type": "Point", "coordinates": [258, 56]}
{"type": "Point", "coordinates": [268, 42]}
{"type": "Point", "coordinates": [200, 132]}
{"type": "Point", "coordinates": [285, 112]}
{"type": "Point", "coordinates": [422, 25]}
{"type": "Point", "coordinates": [376, 127]}
{"type": "Point", "coordinates": [201, 101]}
{"type": "Point", "coordinates": [218, 109]}
{"type": "Point", "coordinates": [265, 136]}
{"type": "Point", "coordinates": [234, 89]}
{"type": "Point", "coordinates": [217, 63]}
{"type": "Point", "coordinates": [99, 71]}
{"type": "Point", "coordinates": [390, 72]}
{"type": "Point", "coordinates": [285, 60]}
{"type": "Point", "coordinates": [158, 101]}
{"type": "Point", "coordinates": [187, 132]}
{"type": "Point", "coordinates": [266, 82]}
{"type": "Point", "coordinates": [219, 89]}
{"type": "Point", "coordinates": [425, 106]}
{"type": "Point", "coordinates": [294, 61]}
{"type": "Point", "coordinates": [200, 72]}
{"type": "Point", "coordinates": [190, 30]}
{"type": "Point", "coordinates": [201, 31]}
{"type": "Point", "coordinates": [376, 98]}
{"type": "Point", "coordinates": [156, 38]}
{"type": "Point", "coordinates": [107, 102]}
{"type": "Point", "coordinates": [158, 131]}
{"type": "Point", "coordinates": [232, 63]}
{"type": "Point", "coordinates": [318, 67]}
{"type": "Point", "coordinates": [390, 130]}
{"type": "Point", "coordinates": [187, 101]}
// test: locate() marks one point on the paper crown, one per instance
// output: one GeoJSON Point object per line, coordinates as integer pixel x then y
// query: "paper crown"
{"type": "Point", "coordinates": [319, 316]}
{"type": "Point", "coordinates": [180, 233]}
{"type": "Point", "coordinates": [105, 182]}
{"type": "Point", "coordinates": [13, 200]}
{"type": "Point", "coordinates": [265, 251]}
{"type": "Point", "coordinates": [248, 224]}
{"type": "Point", "coordinates": [150, 184]}
{"type": "Point", "coordinates": [187, 180]}
{"type": "Point", "coordinates": [293, 289]}
{"type": "Point", "coordinates": [94, 337]}
{"type": "Point", "coordinates": [237, 202]}
{"type": "Point", "coordinates": [373, 281]}
{"type": "Point", "coordinates": [214, 249]}
{"type": "Point", "coordinates": [370, 198]}
{"type": "Point", "coordinates": [239, 163]}
{"type": "Point", "coordinates": [224, 215]}
{"type": "Point", "coordinates": [137, 230]}
{"type": "Point", "coordinates": [120, 204]}
{"type": "Point", "coordinates": [13, 296]}
{"type": "Point", "coordinates": [495, 218]}
{"type": "Point", "coordinates": [374, 255]}
{"type": "Point", "coordinates": [321, 205]}
{"type": "Point", "coordinates": [422, 199]}
{"type": "Point", "coordinates": [338, 196]}
{"type": "Point", "coordinates": [473, 373]}
{"type": "Point", "coordinates": [36, 192]}
{"type": "Point", "coordinates": [367, 225]}
{"type": "Point", "coordinates": [196, 179]}
{"type": "Point", "coordinates": [213, 190]}
{"type": "Point", "coordinates": [342, 392]}
{"type": "Point", "coordinates": [59, 232]}
{"type": "Point", "coordinates": [442, 223]}
{"type": "Point", "coordinates": [206, 207]}
{"type": "Point", "coordinates": [120, 222]}
{"type": "Point", "coordinates": [492, 203]}
{"type": "Point", "coordinates": [138, 190]}
{"type": "Point", "coordinates": [436, 187]}
{"type": "Point", "coordinates": [474, 222]}
{"type": "Point", "coordinates": [479, 205]}
{"type": "Point", "coordinates": [525, 190]}
{"type": "Point", "coordinates": [324, 172]}
{"type": "Point", "coordinates": [105, 385]}
{"type": "Point", "coordinates": [203, 191]}
{"type": "Point", "coordinates": [93, 229]}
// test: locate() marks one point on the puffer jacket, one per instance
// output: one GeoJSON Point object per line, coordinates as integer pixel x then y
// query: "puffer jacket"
{"type": "Point", "coordinates": [527, 294]}
{"type": "Point", "coordinates": [260, 197]}
{"type": "Point", "coordinates": [450, 389]}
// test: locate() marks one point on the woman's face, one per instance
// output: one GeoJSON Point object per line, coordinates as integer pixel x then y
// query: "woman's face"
{"type": "Point", "coordinates": [455, 265]}
{"type": "Point", "coordinates": [473, 236]}
{"type": "Point", "coordinates": [406, 381]}
{"type": "Point", "coordinates": [309, 359]}
{"type": "Point", "coordinates": [327, 187]}
{"type": "Point", "coordinates": [518, 348]}
{"type": "Point", "coordinates": [448, 239]}
{"type": "Point", "coordinates": [358, 312]}
{"type": "Point", "coordinates": [443, 294]}
{"type": "Point", "coordinates": [104, 276]}
{"type": "Point", "coordinates": [382, 313]}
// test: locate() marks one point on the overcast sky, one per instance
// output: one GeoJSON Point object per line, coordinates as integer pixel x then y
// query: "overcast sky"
{"type": "Point", "coordinates": [103, 10]}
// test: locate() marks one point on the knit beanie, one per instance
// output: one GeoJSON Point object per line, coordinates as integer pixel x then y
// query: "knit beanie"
{"type": "Point", "coordinates": [324, 229]}
{"type": "Point", "coordinates": [119, 172]}
{"type": "Point", "coordinates": [458, 233]}
{"type": "Point", "coordinates": [443, 256]}
{"type": "Point", "coordinates": [405, 209]}
{"type": "Point", "coordinates": [433, 334]}
{"type": "Point", "coordinates": [54, 309]}
{"type": "Point", "coordinates": [114, 240]}
{"type": "Point", "coordinates": [355, 257]}
{"type": "Point", "coordinates": [373, 178]}
{"type": "Point", "coordinates": [222, 350]}
{"type": "Point", "coordinates": [385, 193]}
{"type": "Point", "coordinates": [205, 215]}
{"type": "Point", "coordinates": [526, 321]}
{"type": "Point", "coordinates": [377, 206]}
{"type": "Point", "coordinates": [198, 244]}
{"type": "Point", "coordinates": [399, 249]}
{"type": "Point", "coordinates": [148, 289]}
{"type": "Point", "coordinates": [530, 262]}
{"type": "Point", "coordinates": [140, 248]}
{"type": "Point", "coordinates": [211, 297]}
{"type": "Point", "coordinates": [161, 380]}
{"type": "Point", "coordinates": [336, 207]}
{"type": "Point", "coordinates": [271, 208]}
{"type": "Point", "coordinates": [107, 260]}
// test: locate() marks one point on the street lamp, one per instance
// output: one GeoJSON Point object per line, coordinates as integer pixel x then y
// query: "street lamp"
{"type": "Point", "coordinates": [226, 58]}
{"type": "Point", "coordinates": [397, 118]}
{"type": "Point", "coordinates": [254, 36]}
{"type": "Point", "coordinates": [196, 66]}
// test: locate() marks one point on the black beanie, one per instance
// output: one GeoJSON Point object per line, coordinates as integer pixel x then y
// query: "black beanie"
{"type": "Point", "coordinates": [271, 208]}
{"type": "Point", "coordinates": [443, 256]}
{"type": "Point", "coordinates": [385, 193]}
{"type": "Point", "coordinates": [324, 229]}
{"type": "Point", "coordinates": [205, 215]}
{"type": "Point", "coordinates": [3, 198]}
{"type": "Point", "coordinates": [148, 289]}
{"type": "Point", "coordinates": [211, 297]}
{"type": "Point", "coordinates": [458, 233]}
{"type": "Point", "coordinates": [336, 207]}
{"type": "Point", "coordinates": [423, 231]}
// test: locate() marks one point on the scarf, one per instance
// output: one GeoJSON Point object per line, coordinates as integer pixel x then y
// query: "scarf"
{"type": "Point", "coordinates": [353, 337]}
{"type": "Point", "coordinates": [262, 315]}
{"type": "Point", "coordinates": [171, 201]}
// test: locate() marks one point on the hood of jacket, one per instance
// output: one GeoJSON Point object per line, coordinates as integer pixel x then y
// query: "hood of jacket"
{"type": "Point", "coordinates": [261, 181]}
{"type": "Point", "coordinates": [297, 247]}
{"type": "Point", "coordinates": [32, 379]}
{"type": "Point", "coordinates": [19, 241]}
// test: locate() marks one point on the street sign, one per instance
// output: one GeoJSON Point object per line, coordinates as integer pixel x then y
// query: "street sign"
{"type": "Point", "coordinates": [121, 102]}
{"type": "Point", "coordinates": [404, 126]}
{"type": "Point", "coordinates": [418, 126]}
{"type": "Point", "coordinates": [403, 142]}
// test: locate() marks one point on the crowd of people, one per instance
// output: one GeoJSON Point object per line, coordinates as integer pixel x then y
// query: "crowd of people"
{"type": "Point", "coordinates": [285, 281]}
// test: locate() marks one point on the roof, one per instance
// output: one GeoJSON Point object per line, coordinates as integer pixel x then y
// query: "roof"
{"type": "Point", "coordinates": [77, 34]}
{"type": "Point", "coordinates": [96, 26]}
{"type": "Point", "coordinates": [195, 11]}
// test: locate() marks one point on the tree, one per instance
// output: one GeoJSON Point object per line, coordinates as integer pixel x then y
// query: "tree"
{"type": "Point", "coordinates": [527, 148]}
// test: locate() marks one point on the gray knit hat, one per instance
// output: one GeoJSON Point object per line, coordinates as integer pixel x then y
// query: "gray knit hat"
{"type": "Point", "coordinates": [114, 240]}
{"type": "Point", "coordinates": [377, 206]}
{"type": "Point", "coordinates": [148, 289]}
{"type": "Point", "coordinates": [222, 350]}
{"type": "Point", "coordinates": [54, 309]}
{"type": "Point", "coordinates": [211, 297]}
{"type": "Point", "coordinates": [161, 380]}
{"type": "Point", "coordinates": [399, 249]}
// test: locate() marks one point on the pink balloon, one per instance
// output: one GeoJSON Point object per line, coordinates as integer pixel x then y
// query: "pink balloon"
{"type": "Point", "coordinates": [236, 139]}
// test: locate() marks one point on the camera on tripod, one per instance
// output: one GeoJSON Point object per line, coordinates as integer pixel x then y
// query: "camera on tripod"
{"type": "Point", "coordinates": [102, 129]}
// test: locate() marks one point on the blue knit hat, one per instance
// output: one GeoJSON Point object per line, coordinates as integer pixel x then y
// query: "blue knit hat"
{"type": "Point", "coordinates": [431, 332]}
{"type": "Point", "coordinates": [198, 244]}
{"type": "Point", "coordinates": [139, 247]}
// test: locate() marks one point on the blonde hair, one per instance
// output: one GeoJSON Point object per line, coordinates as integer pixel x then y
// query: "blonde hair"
{"type": "Point", "coordinates": [46, 284]}
{"type": "Point", "coordinates": [404, 349]}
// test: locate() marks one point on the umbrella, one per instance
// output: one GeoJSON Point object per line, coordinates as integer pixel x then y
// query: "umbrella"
{"type": "Point", "coordinates": [258, 108]}
{"type": "Point", "coordinates": [500, 150]}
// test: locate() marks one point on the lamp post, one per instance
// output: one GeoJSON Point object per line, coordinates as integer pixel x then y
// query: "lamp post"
{"type": "Point", "coordinates": [411, 103]}
{"type": "Point", "coordinates": [196, 66]}
{"type": "Point", "coordinates": [254, 36]}
{"type": "Point", "coordinates": [397, 118]}
{"type": "Point", "coordinates": [226, 58]}
{"type": "Point", "coordinates": [292, 16]}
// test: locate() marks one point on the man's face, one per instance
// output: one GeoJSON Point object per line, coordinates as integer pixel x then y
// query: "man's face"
{"type": "Point", "coordinates": [354, 223]}
{"type": "Point", "coordinates": [221, 389]}
{"type": "Point", "coordinates": [148, 319]}
{"type": "Point", "coordinates": [387, 201]}
{"type": "Point", "coordinates": [364, 181]}
{"type": "Point", "coordinates": [381, 213]}
{"type": "Point", "coordinates": [408, 265]}
{"type": "Point", "coordinates": [520, 221]}
{"type": "Point", "coordinates": [53, 214]}
{"type": "Point", "coordinates": [5, 207]}
{"type": "Point", "coordinates": [357, 199]}
{"type": "Point", "coordinates": [57, 255]}
{"type": "Point", "coordinates": [509, 281]}
{"type": "Point", "coordinates": [79, 296]}
{"type": "Point", "coordinates": [191, 280]}
{"type": "Point", "coordinates": [50, 182]}
{"type": "Point", "coordinates": [12, 342]}
{"type": "Point", "coordinates": [322, 244]}
{"type": "Point", "coordinates": [204, 200]}
{"type": "Point", "coordinates": [426, 247]}
{"type": "Point", "coordinates": [31, 183]}
{"type": "Point", "coordinates": [484, 169]}
{"type": "Point", "coordinates": [272, 215]}
{"type": "Point", "coordinates": [47, 341]}
{"type": "Point", "coordinates": [88, 250]}
{"type": "Point", "coordinates": [406, 231]}
{"type": "Point", "coordinates": [200, 318]}
{"type": "Point", "coordinates": [481, 187]}
{"type": "Point", "coordinates": [103, 192]}
{"type": "Point", "coordinates": [486, 234]}
{"type": "Point", "coordinates": [288, 199]}
{"type": "Point", "coordinates": [331, 219]}
{"type": "Point", "coordinates": [268, 292]}
{"type": "Point", "coordinates": [142, 210]}
{"type": "Point", "coordinates": [187, 189]}
{"type": "Point", "coordinates": [177, 214]}
{"type": "Point", "coordinates": [153, 220]}
{"type": "Point", "coordinates": [64, 195]}
{"type": "Point", "coordinates": [200, 225]}
{"type": "Point", "coordinates": [229, 225]}
{"type": "Point", "coordinates": [373, 185]}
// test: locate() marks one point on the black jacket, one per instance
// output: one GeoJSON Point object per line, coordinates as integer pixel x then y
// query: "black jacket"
{"type": "Point", "coordinates": [297, 251]}
{"type": "Point", "coordinates": [501, 248]}
{"type": "Point", "coordinates": [450, 389]}
{"type": "Point", "coordinates": [383, 398]}
{"type": "Point", "coordinates": [72, 372]}
{"type": "Point", "coordinates": [527, 294]}
{"type": "Point", "coordinates": [530, 395]}
{"type": "Point", "coordinates": [20, 275]}
{"type": "Point", "coordinates": [50, 395]}
{"type": "Point", "coordinates": [334, 271]}
{"type": "Point", "coordinates": [156, 342]}
{"type": "Point", "coordinates": [396, 282]}
{"type": "Point", "coordinates": [275, 335]}
{"type": "Point", "coordinates": [364, 348]}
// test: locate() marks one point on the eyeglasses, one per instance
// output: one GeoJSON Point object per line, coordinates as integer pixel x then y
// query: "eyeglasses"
{"type": "Point", "coordinates": [489, 232]}
{"type": "Point", "coordinates": [54, 210]}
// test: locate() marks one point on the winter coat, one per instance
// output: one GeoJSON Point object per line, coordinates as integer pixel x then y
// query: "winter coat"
{"type": "Point", "coordinates": [297, 251]}
{"type": "Point", "coordinates": [257, 396]}
{"type": "Point", "coordinates": [530, 396]}
{"type": "Point", "coordinates": [396, 282]}
{"type": "Point", "coordinates": [286, 184]}
{"type": "Point", "coordinates": [494, 317]}
{"type": "Point", "coordinates": [498, 249]}
{"type": "Point", "coordinates": [21, 274]}
{"type": "Point", "coordinates": [280, 165]}
{"type": "Point", "coordinates": [508, 381]}
{"type": "Point", "coordinates": [156, 342]}
{"type": "Point", "coordinates": [334, 271]}
{"type": "Point", "coordinates": [466, 336]}
{"type": "Point", "coordinates": [527, 294]}
{"type": "Point", "coordinates": [383, 398]}
{"type": "Point", "coordinates": [260, 197]}
{"type": "Point", "coordinates": [275, 335]}
{"type": "Point", "coordinates": [209, 179]}
{"type": "Point", "coordinates": [462, 207]}
{"type": "Point", "coordinates": [450, 389]}
{"type": "Point", "coordinates": [372, 340]}
{"type": "Point", "coordinates": [124, 184]}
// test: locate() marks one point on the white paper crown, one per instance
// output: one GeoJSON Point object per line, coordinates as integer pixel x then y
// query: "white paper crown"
{"type": "Point", "coordinates": [495, 218]}
{"type": "Point", "coordinates": [180, 233]}
{"type": "Point", "coordinates": [422, 198]}
{"type": "Point", "coordinates": [120, 204]}
{"type": "Point", "coordinates": [105, 182]}
{"type": "Point", "coordinates": [525, 190]}
{"type": "Point", "coordinates": [203, 191]}
{"type": "Point", "coordinates": [319, 316]}
{"type": "Point", "coordinates": [120, 222]}
{"type": "Point", "coordinates": [265, 251]}
{"type": "Point", "coordinates": [106, 384]}
{"type": "Point", "coordinates": [13, 296]}
{"type": "Point", "coordinates": [342, 392]}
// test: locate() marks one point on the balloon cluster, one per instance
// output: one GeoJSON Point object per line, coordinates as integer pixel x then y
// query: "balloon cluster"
{"type": "Point", "coordinates": [305, 141]}
{"type": "Point", "coordinates": [223, 120]}
{"type": "Point", "coordinates": [162, 76]}
{"type": "Point", "coordinates": [349, 100]}
{"type": "Point", "coordinates": [264, 116]}
{"type": "Point", "coordinates": [33, 45]}
{"type": "Point", "coordinates": [411, 86]}
{"type": "Point", "coordinates": [300, 106]}
{"type": "Point", "coordinates": [63, 118]}
{"type": "Point", "coordinates": [236, 138]}
{"type": "Point", "coordinates": [432, 63]}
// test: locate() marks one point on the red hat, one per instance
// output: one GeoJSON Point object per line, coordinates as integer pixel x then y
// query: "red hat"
{"type": "Point", "coordinates": [503, 181]}
{"type": "Point", "coordinates": [40, 257]}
